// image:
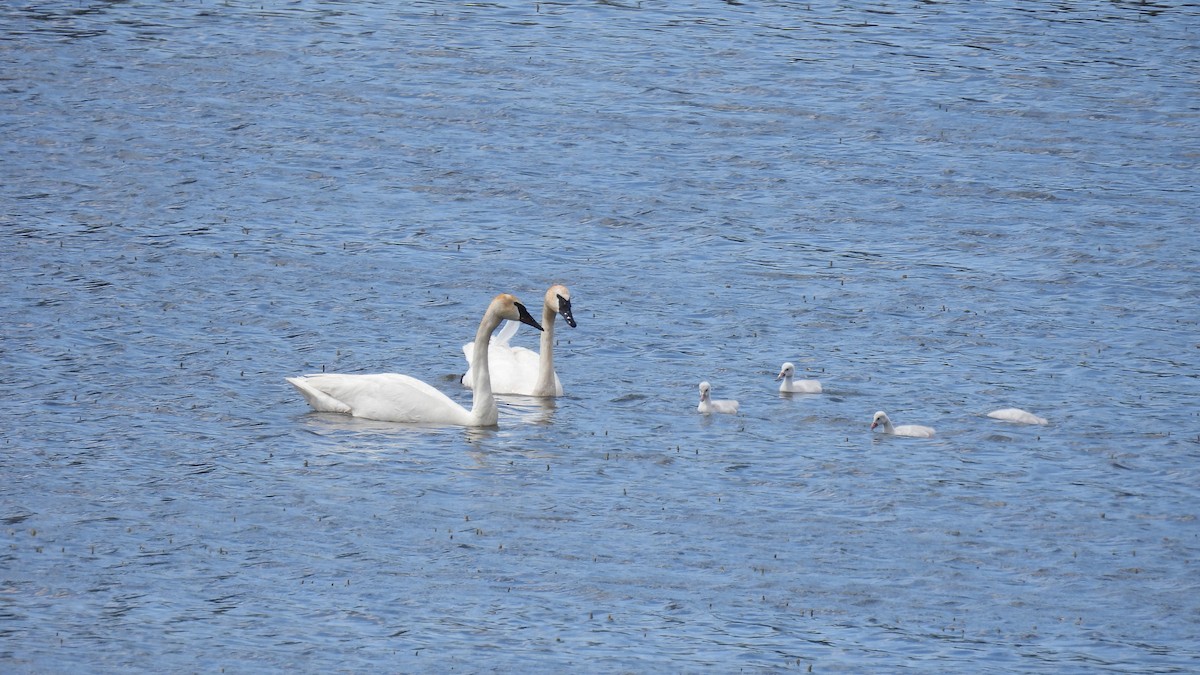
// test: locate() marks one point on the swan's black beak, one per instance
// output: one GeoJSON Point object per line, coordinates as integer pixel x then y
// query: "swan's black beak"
{"type": "Point", "coordinates": [564, 308]}
{"type": "Point", "coordinates": [526, 317]}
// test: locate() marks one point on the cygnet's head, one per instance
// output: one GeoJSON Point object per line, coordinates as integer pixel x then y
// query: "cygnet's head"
{"type": "Point", "coordinates": [508, 307]}
{"type": "Point", "coordinates": [558, 299]}
{"type": "Point", "coordinates": [880, 418]}
{"type": "Point", "coordinates": [787, 370]}
{"type": "Point", "coordinates": [705, 387]}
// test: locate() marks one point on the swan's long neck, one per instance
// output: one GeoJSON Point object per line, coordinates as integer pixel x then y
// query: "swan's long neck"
{"type": "Point", "coordinates": [483, 403]}
{"type": "Point", "coordinates": [887, 426]}
{"type": "Point", "coordinates": [545, 381]}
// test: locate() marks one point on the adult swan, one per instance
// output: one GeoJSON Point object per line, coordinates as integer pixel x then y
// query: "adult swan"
{"type": "Point", "coordinates": [399, 398]}
{"type": "Point", "coordinates": [517, 370]}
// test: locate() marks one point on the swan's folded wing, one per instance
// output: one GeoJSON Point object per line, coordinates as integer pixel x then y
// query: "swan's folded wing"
{"type": "Point", "coordinates": [319, 400]}
{"type": "Point", "coordinates": [506, 332]}
{"type": "Point", "coordinates": [1017, 415]}
{"type": "Point", "coordinates": [468, 377]}
{"type": "Point", "coordinates": [914, 430]}
{"type": "Point", "coordinates": [388, 396]}
{"type": "Point", "coordinates": [514, 370]}
{"type": "Point", "coordinates": [499, 339]}
{"type": "Point", "coordinates": [808, 386]}
{"type": "Point", "coordinates": [497, 350]}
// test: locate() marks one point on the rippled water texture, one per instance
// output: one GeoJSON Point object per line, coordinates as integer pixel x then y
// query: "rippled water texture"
{"type": "Point", "coordinates": [936, 209]}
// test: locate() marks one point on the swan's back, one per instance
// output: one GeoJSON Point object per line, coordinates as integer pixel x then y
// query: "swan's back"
{"type": "Point", "coordinates": [914, 430]}
{"type": "Point", "coordinates": [514, 369]}
{"type": "Point", "coordinates": [317, 399]}
{"type": "Point", "coordinates": [791, 386]}
{"type": "Point", "coordinates": [1017, 415]}
{"type": "Point", "coordinates": [390, 397]}
{"type": "Point", "coordinates": [726, 406]}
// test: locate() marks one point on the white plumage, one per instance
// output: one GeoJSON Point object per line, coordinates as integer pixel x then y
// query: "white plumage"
{"type": "Point", "coordinates": [914, 430]}
{"type": "Point", "coordinates": [710, 405]}
{"type": "Point", "coordinates": [1017, 415]}
{"type": "Point", "coordinates": [789, 385]}
{"type": "Point", "coordinates": [392, 397]}
{"type": "Point", "coordinates": [517, 370]}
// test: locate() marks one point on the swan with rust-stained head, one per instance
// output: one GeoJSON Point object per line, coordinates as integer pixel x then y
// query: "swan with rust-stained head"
{"type": "Point", "coordinates": [391, 397]}
{"type": "Point", "coordinates": [711, 405]}
{"type": "Point", "coordinates": [786, 373]}
{"type": "Point", "coordinates": [914, 430]}
{"type": "Point", "coordinates": [517, 370]}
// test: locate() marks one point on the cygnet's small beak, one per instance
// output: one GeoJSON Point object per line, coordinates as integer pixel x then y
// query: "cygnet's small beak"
{"type": "Point", "coordinates": [564, 308]}
{"type": "Point", "coordinates": [874, 424]}
{"type": "Point", "coordinates": [779, 376]}
{"type": "Point", "coordinates": [526, 317]}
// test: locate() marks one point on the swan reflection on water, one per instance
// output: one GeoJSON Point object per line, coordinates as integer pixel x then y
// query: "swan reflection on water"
{"type": "Point", "coordinates": [383, 436]}
{"type": "Point", "coordinates": [538, 410]}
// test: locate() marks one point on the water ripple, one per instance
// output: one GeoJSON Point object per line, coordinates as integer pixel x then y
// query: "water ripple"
{"type": "Point", "coordinates": [937, 211]}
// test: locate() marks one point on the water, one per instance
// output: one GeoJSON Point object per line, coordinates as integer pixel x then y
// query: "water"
{"type": "Point", "coordinates": [937, 210]}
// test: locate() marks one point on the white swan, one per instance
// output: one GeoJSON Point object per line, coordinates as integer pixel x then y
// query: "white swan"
{"type": "Point", "coordinates": [399, 398]}
{"type": "Point", "coordinates": [796, 386]}
{"type": "Point", "coordinates": [1017, 415]}
{"type": "Point", "coordinates": [709, 405]}
{"type": "Point", "coordinates": [517, 370]}
{"type": "Point", "coordinates": [915, 430]}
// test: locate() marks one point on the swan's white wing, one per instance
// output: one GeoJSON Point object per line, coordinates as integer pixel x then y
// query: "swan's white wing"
{"type": "Point", "coordinates": [319, 400]}
{"type": "Point", "coordinates": [505, 333]}
{"type": "Point", "coordinates": [914, 430]}
{"type": "Point", "coordinates": [802, 387]}
{"type": "Point", "coordinates": [500, 338]}
{"type": "Point", "coordinates": [498, 341]}
{"type": "Point", "coordinates": [468, 352]}
{"type": "Point", "coordinates": [727, 406]}
{"type": "Point", "coordinates": [1017, 415]}
{"type": "Point", "coordinates": [383, 396]}
{"type": "Point", "coordinates": [514, 370]}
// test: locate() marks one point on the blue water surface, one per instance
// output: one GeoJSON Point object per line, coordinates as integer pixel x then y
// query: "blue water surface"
{"type": "Point", "coordinates": [936, 209]}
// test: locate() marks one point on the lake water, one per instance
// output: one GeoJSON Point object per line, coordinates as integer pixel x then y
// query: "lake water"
{"type": "Point", "coordinates": [936, 209]}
